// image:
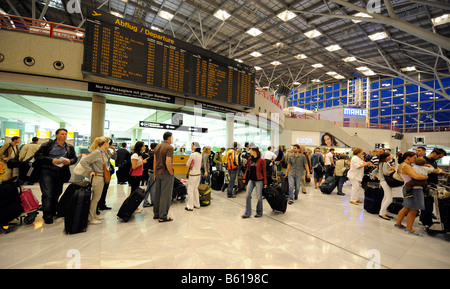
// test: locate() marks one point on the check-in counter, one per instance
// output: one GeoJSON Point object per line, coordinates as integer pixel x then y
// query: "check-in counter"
{"type": "Point", "coordinates": [179, 164]}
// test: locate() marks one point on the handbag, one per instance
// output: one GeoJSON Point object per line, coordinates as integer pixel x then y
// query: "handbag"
{"type": "Point", "coordinates": [106, 172]}
{"type": "Point", "coordinates": [13, 163]}
{"type": "Point", "coordinates": [393, 182]}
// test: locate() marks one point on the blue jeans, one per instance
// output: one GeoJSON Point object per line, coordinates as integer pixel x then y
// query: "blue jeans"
{"type": "Point", "coordinates": [259, 189]}
{"type": "Point", "coordinates": [294, 182]}
{"type": "Point", "coordinates": [233, 175]}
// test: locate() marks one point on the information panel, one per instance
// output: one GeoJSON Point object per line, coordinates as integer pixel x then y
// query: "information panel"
{"type": "Point", "coordinates": [117, 48]}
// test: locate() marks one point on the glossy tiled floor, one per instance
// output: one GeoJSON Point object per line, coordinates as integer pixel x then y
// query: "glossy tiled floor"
{"type": "Point", "coordinates": [317, 231]}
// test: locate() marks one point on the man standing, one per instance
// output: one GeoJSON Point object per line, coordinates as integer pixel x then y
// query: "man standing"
{"type": "Point", "coordinates": [270, 158]}
{"type": "Point", "coordinates": [329, 163]}
{"type": "Point", "coordinates": [426, 216]}
{"type": "Point", "coordinates": [296, 164]}
{"type": "Point", "coordinates": [9, 151]}
{"type": "Point", "coordinates": [231, 159]}
{"type": "Point", "coordinates": [123, 162]}
{"type": "Point", "coordinates": [164, 179]}
{"type": "Point", "coordinates": [55, 157]}
{"type": "Point", "coordinates": [29, 150]}
{"type": "Point", "coordinates": [318, 166]}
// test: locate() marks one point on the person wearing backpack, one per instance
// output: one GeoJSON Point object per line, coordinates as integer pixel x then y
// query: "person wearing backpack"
{"type": "Point", "coordinates": [342, 165]}
{"type": "Point", "coordinates": [231, 159]}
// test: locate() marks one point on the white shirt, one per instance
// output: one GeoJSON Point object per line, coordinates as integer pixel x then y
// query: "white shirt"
{"type": "Point", "coordinates": [195, 158]}
{"type": "Point", "coordinates": [328, 158]}
{"type": "Point", "coordinates": [355, 172]}
{"type": "Point", "coordinates": [268, 155]}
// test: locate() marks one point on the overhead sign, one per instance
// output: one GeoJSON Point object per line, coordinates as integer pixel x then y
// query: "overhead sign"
{"type": "Point", "coordinates": [12, 132]}
{"type": "Point", "coordinates": [355, 112]}
{"type": "Point", "coordinates": [166, 126]}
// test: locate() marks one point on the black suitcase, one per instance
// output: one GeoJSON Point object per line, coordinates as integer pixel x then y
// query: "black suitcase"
{"type": "Point", "coordinates": [179, 190]}
{"type": "Point", "coordinates": [77, 210]}
{"type": "Point", "coordinates": [285, 186]}
{"type": "Point", "coordinates": [372, 199]}
{"type": "Point", "coordinates": [395, 206]}
{"type": "Point", "coordinates": [64, 200]}
{"type": "Point", "coordinates": [131, 204]}
{"type": "Point", "coordinates": [217, 180]}
{"type": "Point", "coordinates": [276, 198]}
{"type": "Point", "coordinates": [10, 203]}
{"type": "Point", "coordinates": [328, 185]}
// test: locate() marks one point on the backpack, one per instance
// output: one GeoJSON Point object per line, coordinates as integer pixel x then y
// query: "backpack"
{"type": "Point", "coordinates": [232, 161]}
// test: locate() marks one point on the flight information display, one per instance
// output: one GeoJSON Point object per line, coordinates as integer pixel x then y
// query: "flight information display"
{"type": "Point", "coordinates": [120, 49]}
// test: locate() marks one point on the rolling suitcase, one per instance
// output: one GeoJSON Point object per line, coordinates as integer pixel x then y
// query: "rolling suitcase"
{"type": "Point", "coordinates": [64, 200]}
{"type": "Point", "coordinates": [276, 198]}
{"type": "Point", "coordinates": [131, 204]}
{"type": "Point", "coordinates": [204, 191]}
{"type": "Point", "coordinates": [328, 185]}
{"type": "Point", "coordinates": [372, 199]}
{"type": "Point", "coordinates": [285, 186]}
{"type": "Point", "coordinates": [10, 203]}
{"type": "Point", "coordinates": [77, 209]}
{"type": "Point", "coordinates": [217, 180]}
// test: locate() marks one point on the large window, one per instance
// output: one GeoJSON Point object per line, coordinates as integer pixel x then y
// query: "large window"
{"type": "Point", "coordinates": [392, 101]}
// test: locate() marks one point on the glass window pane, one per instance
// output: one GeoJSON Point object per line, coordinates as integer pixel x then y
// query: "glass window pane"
{"type": "Point", "coordinates": [386, 111]}
{"type": "Point", "coordinates": [373, 112]}
{"type": "Point", "coordinates": [411, 108]}
{"type": "Point", "coordinates": [328, 95]}
{"type": "Point", "coordinates": [344, 92]}
{"type": "Point", "coordinates": [320, 97]}
{"type": "Point", "coordinates": [344, 100]}
{"type": "Point", "coordinates": [385, 120]}
{"type": "Point", "coordinates": [320, 105]}
{"type": "Point", "coordinates": [398, 91]}
{"type": "Point", "coordinates": [375, 94]}
{"type": "Point", "coordinates": [374, 103]}
{"type": "Point", "coordinates": [386, 83]}
{"type": "Point", "coordinates": [328, 103]}
{"type": "Point", "coordinates": [386, 102]}
{"type": "Point", "coordinates": [375, 85]}
{"type": "Point", "coordinates": [398, 81]}
{"type": "Point", "coordinates": [329, 88]}
{"type": "Point", "coordinates": [426, 106]}
{"type": "Point", "coordinates": [412, 98]}
{"type": "Point", "coordinates": [397, 110]}
{"type": "Point", "coordinates": [424, 96]}
{"type": "Point", "coordinates": [336, 102]}
{"type": "Point", "coordinates": [386, 93]}
{"type": "Point", "coordinates": [336, 86]}
{"type": "Point", "coordinates": [321, 90]}
{"type": "Point", "coordinates": [442, 104]}
{"type": "Point", "coordinates": [397, 100]}
{"type": "Point", "coordinates": [314, 92]}
{"type": "Point", "coordinates": [411, 88]}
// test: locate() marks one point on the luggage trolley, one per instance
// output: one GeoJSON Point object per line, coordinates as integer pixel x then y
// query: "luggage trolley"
{"type": "Point", "coordinates": [441, 197]}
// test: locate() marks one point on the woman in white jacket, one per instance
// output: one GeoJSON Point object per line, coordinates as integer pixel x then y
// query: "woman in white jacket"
{"type": "Point", "coordinates": [355, 175]}
{"type": "Point", "coordinates": [194, 163]}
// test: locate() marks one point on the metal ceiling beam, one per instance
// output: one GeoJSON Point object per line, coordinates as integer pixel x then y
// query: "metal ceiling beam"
{"type": "Point", "coordinates": [419, 32]}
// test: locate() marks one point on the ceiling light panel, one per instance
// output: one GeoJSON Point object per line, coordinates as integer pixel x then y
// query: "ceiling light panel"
{"type": "Point", "coordinates": [222, 14]}
{"type": "Point", "coordinates": [275, 62]}
{"type": "Point", "coordinates": [254, 31]}
{"type": "Point", "coordinates": [165, 15]}
{"type": "Point", "coordinates": [286, 15]}
{"type": "Point", "coordinates": [255, 54]}
{"type": "Point", "coordinates": [378, 36]}
{"type": "Point", "coordinates": [301, 56]}
{"type": "Point", "coordinates": [313, 33]}
{"type": "Point", "coordinates": [317, 65]}
{"type": "Point", "coordinates": [333, 48]}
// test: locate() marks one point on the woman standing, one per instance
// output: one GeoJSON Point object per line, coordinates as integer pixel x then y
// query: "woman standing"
{"type": "Point", "coordinates": [355, 175]}
{"type": "Point", "coordinates": [205, 165]}
{"type": "Point", "coordinates": [96, 162]}
{"type": "Point", "coordinates": [341, 165]}
{"type": "Point", "coordinates": [385, 169]}
{"type": "Point", "coordinates": [194, 163]}
{"type": "Point", "coordinates": [137, 166]}
{"type": "Point", "coordinates": [411, 206]}
{"type": "Point", "coordinates": [255, 176]}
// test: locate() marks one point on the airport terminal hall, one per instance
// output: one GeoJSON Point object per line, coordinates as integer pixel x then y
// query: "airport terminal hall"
{"type": "Point", "coordinates": [244, 136]}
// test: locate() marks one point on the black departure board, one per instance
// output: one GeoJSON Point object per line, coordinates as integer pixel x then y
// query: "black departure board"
{"type": "Point", "coordinates": [120, 49]}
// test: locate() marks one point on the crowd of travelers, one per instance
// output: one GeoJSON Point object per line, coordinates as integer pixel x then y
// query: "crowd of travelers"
{"type": "Point", "coordinates": [151, 166]}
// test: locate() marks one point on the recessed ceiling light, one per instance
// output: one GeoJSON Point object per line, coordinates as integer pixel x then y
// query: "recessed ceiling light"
{"type": "Point", "coordinates": [286, 15]}
{"type": "Point", "coordinates": [313, 33]}
{"type": "Point", "coordinates": [441, 20]}
{"type": "Point", "coordinates": [361, 15]}
{"type": "Point", "coordinates": [301, 56]}
{"type": "Point", "coordinates": [317, 65]}
{"type": "Point", "coordinates": [222, 14]}
{"type": "Point", "coordinates": [333, 48]}
{"type": "Point", "coordinates": [365, 70]}
{"type": "Point", "coordinates": [332, 73]}
{"type": "Point", "coordinates": [255, 54]}
{"type": "Point", "coordinates": [276, 62]}
{"type": "Point", "coordinates": [349, 59]}
{"type": "Point", "coordinates": [378, 36]}
{"type": "Point", "coordinates": [165, 15]}
{"type": "Point", "coordinates": [297, 83]}
{"type": "Point", "coordinates": [316, 80]}
{"type": "Point", "coordinates": [238, 60]}
{"type": "Point", "coordinates": [258, 68]}
{"type": "Point", "coordinates": [411, 68]}
{"type": "Point", "coordinates": [254, 31]}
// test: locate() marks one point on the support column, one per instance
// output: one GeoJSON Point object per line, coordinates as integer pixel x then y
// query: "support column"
{"type": "Point", "coordinates": [230, 130]}
{"type": "Point", "coordinates": [98, 116]}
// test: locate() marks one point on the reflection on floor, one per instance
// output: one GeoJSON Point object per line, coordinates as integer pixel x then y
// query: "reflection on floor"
{"type": "Point", "coordinates": [317, 231]}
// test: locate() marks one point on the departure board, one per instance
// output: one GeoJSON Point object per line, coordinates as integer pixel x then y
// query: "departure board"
{"type": "Point", "coordinates": [120, 49]}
